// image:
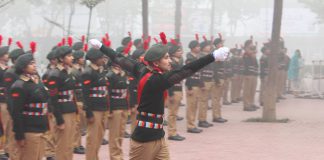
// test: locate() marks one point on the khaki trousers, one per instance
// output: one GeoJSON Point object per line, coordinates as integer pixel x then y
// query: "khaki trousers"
{"type": "Point", "coordinates": [203, 100]}
{"type": "Point", "coordinates": [280, 82]}
{"type": "Point", "coordinates": [80, 124]}
{"type": "Point", "coordinates": [64, 138]}
{"type": "Point", "coordinates": [13, 148]}
{"type": "Point", "coordinates": [153, 150]}
{"type": "Point", "coordinates": [173, 108]}
{"type": "Point", "coordinates": [235, 92]}
{"type": "Point", "coordinates": [249, 88]}
{"type": "Point", "coordinates": [216, 99]}
{"type": "Point", "coordinates": [133, 114]}
{"type": "Point", "coordinates": [117, 125]}
{"type": "Point", "coordinates": [34, 148]}
{"type": "Point", "coordinates": [49, 137]}
{"type": "Point", "coordinates": [240, 86]}
{"type": "Point", "coordinates": [192, 102]}
{"type": "Point", "coordinates": [225, 89]}
{"type": "Point", "coordinates": [95, 134]}
{"type": "Point", "coordinates": [5, 119]}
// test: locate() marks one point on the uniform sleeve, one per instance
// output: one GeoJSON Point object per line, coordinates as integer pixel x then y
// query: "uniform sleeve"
{"type": "Point", "coordinates": [53, 83]}
{"type": "Point", "coordinates": [17, 99]}
{"type": "Point", "coordinates": [86, 85]}
{"type": "Point", "coordinates": [168, 79]}
{"type": "Point", "coordinates": [133, 67]}
{"type": "Point", "coordinates": [8, 81]}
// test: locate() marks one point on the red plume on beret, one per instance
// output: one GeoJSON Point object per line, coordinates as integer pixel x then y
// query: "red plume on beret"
{"type": "Point", "coordinates": [173, 42]}
{"type": "Point", "coordinates": [212, 38]}
{"type": "Point", "coordinates": [130, 34]}
{"type": "Point", "coordinates": [106, 41]}
{"type": "Point", "coordinates": [32, 46]}
{"type": "Point", "coordinates": [204, 37]}
{"type": "Point", "coordinates": [70, 41]}
{"type": "Point", "coordinates": [220, 36]}
{"type": "Point", "coordinates": [59, 44]}
{"type": "Point", "coordinates": [19, 45]}
{"type": "Point", "coordinates": [83, 39]}
{"type": "Point", "coordinates": [63, 41]}
{"type": "Point", "coordinates": [149, 39]}
{"type": "Point", "coordinates": [85, 47]}
{"type": "Point", "coordinates": [9, 41]}
{"type": "Point", "coordinates": [197, 37]}
{"type": "Point", "coordinates": [107, 36]}
{"type": "Point", "coordinates": [128, 47]}
{"type": "Point", "coordinates": [1, 39]}
{"type": "Point", "coordinates": [146, 44]}
{"type": "Point", "coordinates": [156, 40]}
{"type": "Point", "coordinates": [163, 38]}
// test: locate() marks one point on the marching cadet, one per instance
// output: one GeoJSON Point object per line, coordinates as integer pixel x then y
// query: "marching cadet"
{"type": "Point", "coordinates": [95, 96]}
{"type": "Point", "coordinates": [10, 77]}
{"type": "Point", "coordinates": [4, 59]}
{"type": "Point", "coordinates": [118, 93]}
{"type": "Point", "coordinates": [133, 83]}
{"type": "Point", "coordinates": [207, 75]}
{"type": "Point", "coordinates": [138, 43]}
{"type": "Point", "coordinates": [250, 76]}
{"type": "Point", "coordinates": [264, 71]}
{"type": "Point", "coordinates": [76, 71]}
{"type": "Point", "coordinates": [49, 135]}
{"type": "Point", "coordinates": [193, 84]}
{"type": "Point", "coordinates": [283, 63]}
{"type": "Point", "coordinates": [235, 63]}
{"type": "Point", "coordinates": [29, 98]}
{"type": "Point", "coordinates": [61, 86]}
{"type": "Point", "coordinates": [228, 74]}
{"type": "Point", "coordinates": [175, 93]}
{"type": "Point", "coordinates": [148, 137]}
{"type": "Point", "coordinates": [219, 76]}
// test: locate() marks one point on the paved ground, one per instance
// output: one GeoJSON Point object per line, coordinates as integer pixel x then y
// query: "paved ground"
{"type": "Point", "coordinates": [300, 139]}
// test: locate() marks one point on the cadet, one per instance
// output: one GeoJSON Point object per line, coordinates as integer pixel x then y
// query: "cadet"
{"type": "Point", "coordinates": [264, 71]}
{"type": "Point", "coordinates": [95, 96]}
{"type": "Point", "coordinates": [61, 86]}
{"type": "Point", "coordinates": [29, 97]}
{"type": "Point", "coordinates": [148, 137]}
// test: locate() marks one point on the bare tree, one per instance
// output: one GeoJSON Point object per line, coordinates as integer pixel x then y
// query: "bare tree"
{"type": "Point", "coordinates": [90, 4]}
{"type": "Point", "coordinates": [145, 18]}
{"type": "Point", "coordinates": [269, 110]}
{"type": "Point", "coordinates": [4, 3]}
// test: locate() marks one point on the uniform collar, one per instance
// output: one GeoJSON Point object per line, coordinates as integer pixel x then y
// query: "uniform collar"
{"type": "Point", "coordinates": [60, 67]}
{"type": "Point", "coordinates": [25, 77]}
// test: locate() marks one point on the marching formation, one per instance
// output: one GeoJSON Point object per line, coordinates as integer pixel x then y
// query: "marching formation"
{"type": "Point", "coordinates": [85, 91]}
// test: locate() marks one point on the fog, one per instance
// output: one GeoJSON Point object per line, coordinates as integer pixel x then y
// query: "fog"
{"type": "Point", "coordinates": [237, 20]}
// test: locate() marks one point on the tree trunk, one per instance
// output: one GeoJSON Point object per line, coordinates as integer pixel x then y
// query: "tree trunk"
{"type": "Point", "coordinates": [269, 110]}
{"type": "Point", "coordinates": [212, 18]}
{"type": "Point", "coordinates": [89, 23]}
{"type": "Point", "coordinates": [72, 5]}
{"type": "Point", "coordinates": [145, 18]}
{"type": "Point", "coordinates": [178, 18]}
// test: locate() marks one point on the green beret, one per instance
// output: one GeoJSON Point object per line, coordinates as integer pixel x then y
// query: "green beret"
{"type": "Point", "coordinates": [156, 52]}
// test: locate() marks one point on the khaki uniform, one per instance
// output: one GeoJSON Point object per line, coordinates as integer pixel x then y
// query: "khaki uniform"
{"type": "Point", "coordinates": [34, 148]}
{"type": "Point", "coordinates": [249, 81]}
{"type": "Point", "coordinates": [157, 150]}
{"type": "Point", "coordinates": [173, 108]}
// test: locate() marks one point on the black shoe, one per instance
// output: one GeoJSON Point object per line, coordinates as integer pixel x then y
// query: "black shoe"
{"type": "Point", "coordinates": [194, 130]}
{"type": "Point", "coordinates": [179, 118]}
{"type": "Point", "coordinates": [78, 150]}
{"type": "Point", "coordinates": [226, 103]}
{"type": "Point", "coordinates": [82, 147]}
{"type": "Point", "coordinates": [219, 120]}
{"type": "Point", "coordinates": [176, 138]}
{"type": "Point", "coordinates": [203, 124]}
{"type": "Point", "coordinates": [281, 97]}
{"type": "Point", "coordinates": [165, 123]}
{"type": "Point", "coordinates": [261, 103]}
{"type": "Point", "coordinates": [50, 158]}
{"type": "Point", "coordinates": [129, 121]}
{"type": "Point", "coordinates": [104, 142]}
{"type": "Point", "coordinates": [127, 135]}
{"type": "Point", "coordinates": [209, 107]}
{"type": "Point", "coordinates": [3, 157]}
{"type": "Point", "coordinates": [182, 105]}
{"type": "Point", "coordinates": [249, 109]}
{"type": "Point", "coordinates": [234, 101]}
{"type": "Point", "coordinates": [83, 132]}
{"type": "Point", "coordinates": [255, 107]}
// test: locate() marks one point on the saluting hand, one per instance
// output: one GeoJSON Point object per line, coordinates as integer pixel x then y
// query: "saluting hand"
{"type": "Point", "coordinates": [221, 54]}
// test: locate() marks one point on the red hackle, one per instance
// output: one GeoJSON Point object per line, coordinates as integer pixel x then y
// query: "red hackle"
{"type": "Point", "coordinates": [204, 37]}
{"type": "Point", "coordinates": [173, 42]}
{"type": "Point", "coordinates": [197, 37]}
{"type": "Point", "coordinates": [85, 47]}
{"type": "Point", "coordinates": [220, 36]}
{"type": "Point", "coordinates": [70, 41]}
{"type": "Point", "coordinates": [19, 45]}
{"type": "Point", "coordinates": [146, 44]}
{"type": "Point", "coordinates": [156, 40]}
{"type": "Point", "coordinates": [63, 41]}
{"type": "Point", "coordinates": [1, 39]}
{"type": "Point", "coordinates": [32, 46]}
{"type": "Point", "coordinates": [83, 39]}
{"type": "Point", "coordinates": [129, 34]}
{"type": "Point", "coordinates": [163, 38]}
{"type": "Point", "coordinates": [128, 47]}
{"type": "Point", "coordinates": [9, 41]}
{"type": "Point", "coordinates": [107, 36]}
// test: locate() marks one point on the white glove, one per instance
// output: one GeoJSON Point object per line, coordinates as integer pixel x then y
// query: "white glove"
{"type": "Point", "coordinates": [221, 54]}
{"type": "Point", "coordinates": [95, 43]}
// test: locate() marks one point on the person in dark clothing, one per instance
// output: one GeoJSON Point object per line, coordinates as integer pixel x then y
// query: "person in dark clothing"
{"type": "Point", "coordinates": [29, 97]}
{"type": "Point", "coordinates": [61, 85]}
{"type": "Point", "coordinates": [95, 101]}
{"type": "Point", "coordinates": [147, 141]}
